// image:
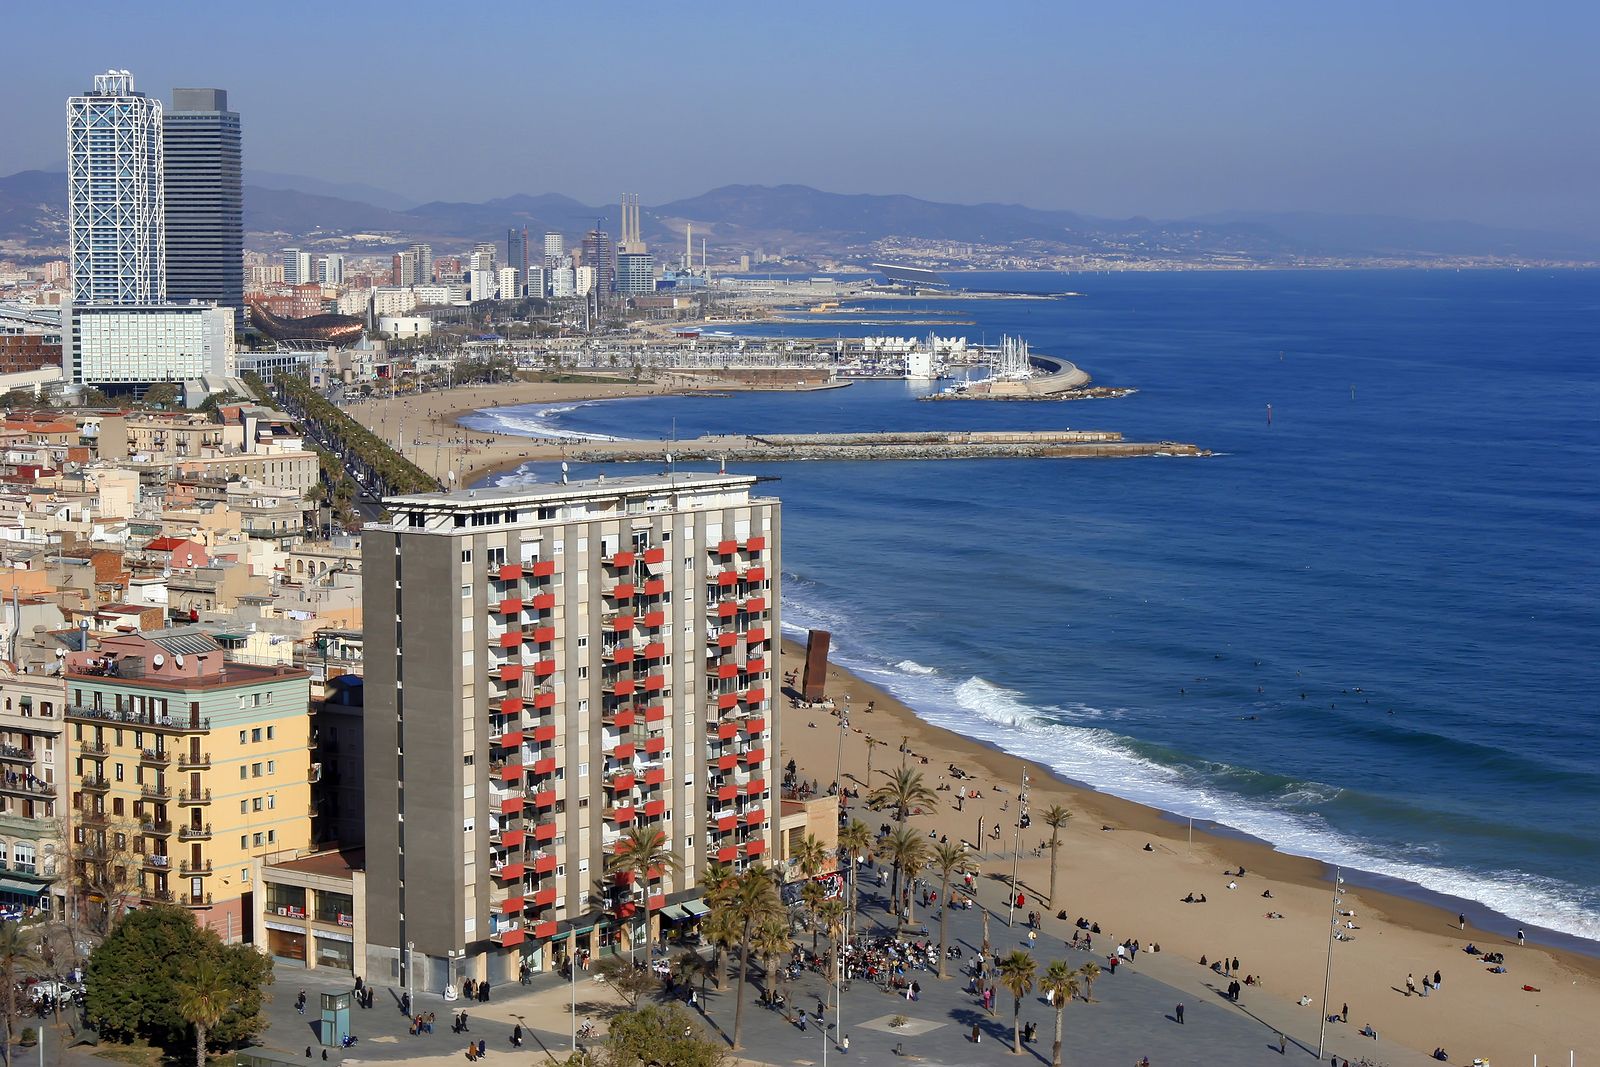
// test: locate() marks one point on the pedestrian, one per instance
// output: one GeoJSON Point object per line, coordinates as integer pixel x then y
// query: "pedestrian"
{"type": "Point", "coordinates": [1344, 1016]}
{"type": "Point", "coordinates": [516, 1036]}
{"type": "Point", "coordinates": [1411, 985]}
{"type": "Point", "coordinates": [1283, 1044]}
{"type": "Point", "coordinates": [1438, 980]}
{"type": "Point", "coordinates": [1236, 965]}
{"type": "Point", "coordinates": [844, 1044]}
{"type": "Point", "coordinates": [977, 1035]}
{"type": "Point", "coordinates": [1462, 919]}
{"type": "Point", "coordinates": [481, 1048]}
{"type": "Point", "coordinates": [1179, 1014]}
{"type": "Point", "coordinates": [1522, 938]}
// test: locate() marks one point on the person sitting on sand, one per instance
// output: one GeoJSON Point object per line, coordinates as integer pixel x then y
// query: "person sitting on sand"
{"type": "Point", "coordinates": [1189, 899]}
{"type": "Point", "coordinates": [1267, 894]}
{"type": "Point", "coordinates": [1147, 847]}
{"type": "Point", "coordinates": [1368, 1031]}
{"type": "Point", "coordinates": [1233, 885]}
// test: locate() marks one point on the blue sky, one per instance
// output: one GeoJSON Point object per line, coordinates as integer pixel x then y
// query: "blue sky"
{"type": "Point", "coordinates": [1433, 110]}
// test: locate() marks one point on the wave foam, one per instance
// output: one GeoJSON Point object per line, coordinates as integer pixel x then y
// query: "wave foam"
{"type": "Point", "coordinates": [541, 422]}
{"type": "Point", "coordinates": [978, 708]}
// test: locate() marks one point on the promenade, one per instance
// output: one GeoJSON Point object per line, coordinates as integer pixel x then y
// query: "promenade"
{"type": "Point", "coordinates": [1131, 1016]}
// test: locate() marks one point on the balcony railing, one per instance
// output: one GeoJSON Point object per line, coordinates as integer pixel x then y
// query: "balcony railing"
{"type": "Point", "coordinates": [26, 785]}
{"type": "Point", "coordinates": [147, 721]}
{"type": "Point", "coordinates": [159, 757]}
{"type": "Point", "coordinates": [156, 827]}
{"type": "Point", "coordinates": [197, 796]}
{"type": "Point", "coordinates": [195, 833]}
{"type": "Point", "coordinates": [190, 761]}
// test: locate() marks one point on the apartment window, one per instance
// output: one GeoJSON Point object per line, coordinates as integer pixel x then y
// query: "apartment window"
{"type": "Point", "coordinates": [241, 732]}
{"type": "Point", "coordinates": [583, 770]}
{"type": "Point", "coordinates": [272, 836]}
{"type": "Point", "coordinates": [255, 803]}
{"type": "Point", "coordinates": [269, 729]}
{"type": "Point", "coordinates": [583, 640]}
{"type": "Point", "coordinates": [255, 770]}
{"type": "Point", "coordinates": [244, 874]}
{"type": "Point", "coordinates": [242, 804]}
{"type": "Point", "coordinates": [466, 592]}
{"type": "Point", "coordinates": [116, 771]}
{"type": "Point", "coordinates": [243, 774]}
{"type": "Point", "coordinates": [244, 842]}
{"type": "Point", "coordinates": [255, 840]}
{"type": "Point", "coordinates": [255, 735]}
{"type": "Point", "coordinates": [466, 555]}
{"type": "Point", "coordinates": [583, 866]}
{"type": "Point", "coordinates": [272, 766]}
{"type": "Point", "coordinates": [272, 801]}
{"type": "Point", "coordinates": [583, 672]}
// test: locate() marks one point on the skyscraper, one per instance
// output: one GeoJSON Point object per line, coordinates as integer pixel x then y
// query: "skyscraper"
{"type": "Point", "coordinates": [204, 199]}
{"type": "Point", "coordinates": [555, 246]}
{"type": "Point", "coordinates": [297, 267]}
{"type": "Point", "coordinates": [636, 273]}
{"type": "Point", "coordinates": [607, 664]}
{"type": "Point", "coordinates": [597, 254]}
{"type": "Point", "coordinates": [116, 225]}
{"type": "Point", "coordinates": [517, 249]}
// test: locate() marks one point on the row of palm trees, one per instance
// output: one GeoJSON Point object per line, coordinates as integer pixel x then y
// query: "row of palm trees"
{"type": "Point", "coordinates": [1018, 974]}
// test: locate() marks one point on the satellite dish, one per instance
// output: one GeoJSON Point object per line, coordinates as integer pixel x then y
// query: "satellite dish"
{"type": "Point", "coordinates": [158, 659]}
{"type": "Point", "coordinates": [178, 660]}
{"type": "Point", "coordinates": [61, 653]}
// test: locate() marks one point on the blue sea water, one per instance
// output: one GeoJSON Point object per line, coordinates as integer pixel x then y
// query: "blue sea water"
{"type": "Point", "coordinates": [1367, 631]}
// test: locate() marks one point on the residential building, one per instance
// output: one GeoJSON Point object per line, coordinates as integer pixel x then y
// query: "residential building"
{"type": "Point", "coordinates": [555, 249]}
{"type": "Point", "coordinates": [116, 224]}
{"type": "Point", "coordinates": [330, 269]}
{"type": "Point", "coordinates": [537, 285]}
{"type": "Point", "coordinates": [517, 249]}
{"type": "Point", "coordinates": [188, 765]}
{"type": "Point", "coordinates": [547, 667]}
{"type": "Point", "coordinates": [636, 273]}
{"type": "Point", "coordinates": [204, 199]}
{"type": "Point", "coordinates": [508, 287]}
{"type": "Point", "coordinates": [582, 281]}
{"type": "Point", "coordinates": [297, 268]}
{"type": "Point", "coordinates": [32, 790]}
{"type": "Point", "coordinates": [485, 283]}
{"type": "Point", "coordinates": [563, 283]}
{"type": "Point", "coordinates": [597, 253]}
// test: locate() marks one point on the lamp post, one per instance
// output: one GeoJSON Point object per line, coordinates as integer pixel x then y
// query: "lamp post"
{"type": "Point", "coordinates": [1327, 972]}
{"type": "Point", "coordinates": [411, 977]}
{"type": "Point", "coordinates": [1016, 848]}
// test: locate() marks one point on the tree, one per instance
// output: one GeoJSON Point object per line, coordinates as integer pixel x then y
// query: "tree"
{"type": "Point", "coordinates": [855, 841]}
{"type": "Point", "coordinates": [136, 974]}
{"type": "Point", "coordinates": [753, 901]}
{"type": "Point", "coordinates": [811, 897]}
{"type": "Point", "coordinates": [161, 394]}
{"type": "Point", "coordinates": [831, 914]}
{"type": "Point", "coordinates": [659, 1034]}
{"type": "Point", "coordinates": [1017, 972]}
{"type": "Point", "coordinates": [905, 848]}
{"type": "Point", "coordinates": [771, 941]}
{"type": "Point", "coordinates": [949, 858]}
{"type": "Point", "coordinates": [644, 853]}
{"type": "Point", "coordinates": [904, 791]}
{"type": "Point", "coordinates": [1055, 818]}
{"type": "Point", "coordinates": [872, 743]}
{"type": "Point", "coordinates": [18, 951]}
{"type": "Point", "coordinates": [810, 856]}
{"type": "Point", "coordinates": [102, 871]}
{"type": "Point", "coordinates": [1090, 972]}
{"type": "Point", "coordinates": [1060, 983]}
{"type": "Point", "coordinates": [629, 982]}
{"type": "Point", "coordinates": [204, 994]}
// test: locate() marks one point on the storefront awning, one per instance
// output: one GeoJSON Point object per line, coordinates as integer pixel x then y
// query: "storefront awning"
{"type": "Point", "coordinates": [695, 908]}
{"type": "Point", "coordinates": [674, 914]}
{"type": "Point", "coordinates": [11, 885]}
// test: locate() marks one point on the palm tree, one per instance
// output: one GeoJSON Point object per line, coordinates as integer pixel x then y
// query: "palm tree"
{"type": "Point", "coordinates": [915, 864]}
{"type": "Point", "coordinates": [691, 965]}
{"type": "Point", "coordinates": [902, 847]}
{"type": "Point", "coordinates": [948, 858]}
{"type": "Point", "coordinates": [204, 996]}
{"type": "Point", "coordinates": [872, 743]}
{"type": "Point", "coordinates": [753, 902]}
{"type": "Point", "coordinates": [645, 853]}
{"type": "Point", "coordinates": [811, 897]}
{"type": "Point", "coordinates": [723, 933]}
{"type": "Point", "coordinates": [1055, 818]}
{"type": "Point", "coordinates": [904, 790]}
{"type": "Point", "coordinates": [810, 856]}
{"type": "Point", "coordinates": [770, 942]}
{"type": "Point", "coordinates": [831, 915]}
{"type": "Point", "coordinates": [855, 841]}
{"type": "Point", "coordinates": [1060, 983]}
{"type": "Point", "coordinates": [1016, 973]}
{"type": "Point", "coordinates": [17, 951]}
{"type": "Point", "coordinates": [1090, 972]}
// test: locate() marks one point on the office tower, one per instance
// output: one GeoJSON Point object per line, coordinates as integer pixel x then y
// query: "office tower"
{"type": "Point", "coordinates": [297, 267]}
{"type": "Point", "coordinates": [424, 254]}
{"type": "Point", "coordinates": [481, 266]}
{"type": "Point", "coordinates": [517, 249]}
{"type": "Point", "coordinates": [547, 667]}
{"type": "Point", "coordinates": [555, 246]}
{"type": "Point", "coordinates": [116, 225]}
{"type": "Point", "coordinates": [509, 285]}
{"type": "Point", "coordinates": [188, 765]}
{"type": "Point", "coordinates": [636, 273]}
{"type": "Point", "coordinates": [537, 284]}
{"type": "Point", "coordinates": [204, 199]}
{"type": "Point", "coordinates": [564, 281]}
{"type": "Point", "coordinates": [405, 269]}
{"type": "Point", "coordinates": [631, 240]}
{"type": "Point", "coordinates": [597, 254]}
{"type": "Point", "coordinates": [330, 270]}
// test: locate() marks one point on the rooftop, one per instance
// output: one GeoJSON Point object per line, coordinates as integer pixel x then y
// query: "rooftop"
{"type": "Point", "coordinates": [557, 492]}
{"type": "Point", "coordinates": [340, 864]}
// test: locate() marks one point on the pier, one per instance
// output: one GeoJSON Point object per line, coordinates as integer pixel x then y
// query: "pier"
{"type": "Point", "coordinates": [943, 444]}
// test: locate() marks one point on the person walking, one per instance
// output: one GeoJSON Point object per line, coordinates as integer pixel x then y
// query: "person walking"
{"type": "Point", "coordinates": [1411, 986]}
{"type": "Point", "coordinates": [1283, 1044]}
{"type": "Point", "coordinates": [1462, 919]}
{"type": "Point", "coordinates": [1179, 1014]}
{"type": "Point", "coordinates": [1522, 938]}
{"type": "Point", "coordinates": [1344, 1016]}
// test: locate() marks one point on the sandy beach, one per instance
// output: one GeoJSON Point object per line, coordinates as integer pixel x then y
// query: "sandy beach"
{"type": "Point", "coordinates": [1108, 877]}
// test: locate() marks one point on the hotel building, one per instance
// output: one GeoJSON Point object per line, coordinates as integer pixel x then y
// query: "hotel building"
{"type": "Point", "coordinates": [546, 667]}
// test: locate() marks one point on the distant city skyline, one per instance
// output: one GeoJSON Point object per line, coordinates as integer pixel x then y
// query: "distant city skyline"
{"type": "Point", "coordinates": [1462, 111]}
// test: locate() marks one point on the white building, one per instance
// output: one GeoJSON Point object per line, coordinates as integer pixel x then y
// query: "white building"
{"type": "Point", "coordinates": [562, 281]}
{"type": "Point", "coordinates": [330, 270]}
{"type": "Point", "coordinates": [405, 325]}
{"type": "Point", "coordinates": [140, 345]}
{"type": "Point", "coordinates": [116, 206]}
{"type": "Point", "coordinates": [538, 284]}
{"type": "Point", "coordinates": [555, 247]}
{"type": "Point", "coordinates": [297, 267]}
{"type": "Point", "coordinates": [583, 281]}
{"type": "Point", "coordinates": [510, 287]}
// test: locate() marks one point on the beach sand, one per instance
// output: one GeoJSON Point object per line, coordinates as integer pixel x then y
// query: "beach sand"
{"type": "Point", "coordinates": [1108, 877]}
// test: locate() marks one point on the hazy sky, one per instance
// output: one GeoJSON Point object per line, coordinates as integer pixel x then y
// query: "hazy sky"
{"type": "Point", "coordinates": [1450, 109]}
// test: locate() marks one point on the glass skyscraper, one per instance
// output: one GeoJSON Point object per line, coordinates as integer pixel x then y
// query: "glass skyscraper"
{"type": "Point", "coordinates": [204, 199]}
{"type": "Point", "coordinates": [116, 223]}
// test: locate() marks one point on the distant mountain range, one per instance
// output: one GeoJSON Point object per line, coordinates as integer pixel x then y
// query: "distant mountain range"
{"type": "Point", "coordinates": [283, 210]}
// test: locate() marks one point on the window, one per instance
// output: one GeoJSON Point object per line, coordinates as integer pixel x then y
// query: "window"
{"type": "Point", "coordinates": [244, 842]}
{"type": "Point", "coordinates": [466, 555]}
{"type": "Point", "coordinates": [241, 732]}
{"type": "Point", "coordinates": [255, 803]}
{"type": "Point", "coordinates": [269, 729]}
{"type": "Point", "coordinates": [255, 770]}
{"type": "Point", "coordinates": [272, 766]}
{"type": "Point", "coordinates": [466, 592]}
{"type": "Point", "coordinates": [255, 840]}
{"type": "Point", "coordinates": [116, 771]}
{"type": "Point", "coordinates": [255, 735]}
{"type": "Point", "coordinates": [272, 800]}
{"type": "Point", "coordinates": [272, 835]}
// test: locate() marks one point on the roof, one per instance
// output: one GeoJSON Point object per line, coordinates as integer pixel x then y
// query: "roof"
{"type": "Point", "coordinates": [338, 864]}
{"type": "Point", "coordinates": [183, 640]}
{"type": "Point", "coordinates": [560, 491]}
{"type": "Point", "coordinates": [166, 544]}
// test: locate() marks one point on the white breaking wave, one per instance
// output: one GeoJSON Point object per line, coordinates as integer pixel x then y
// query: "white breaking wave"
{"type": "Point", "coordinates": [977, 708]}
{"type": "Point", "coordinates": [537, 423]}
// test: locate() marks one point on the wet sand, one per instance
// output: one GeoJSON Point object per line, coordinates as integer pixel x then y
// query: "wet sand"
{"type": "Point", "coordinates": [1109, 878]}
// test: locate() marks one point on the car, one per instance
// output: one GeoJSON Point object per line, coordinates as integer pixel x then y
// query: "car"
{"type": "Point", "coordinates": [63, 993]}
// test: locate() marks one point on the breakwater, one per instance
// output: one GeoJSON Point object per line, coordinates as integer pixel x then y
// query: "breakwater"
{"type": "Point", "coordinates": [955, 444]}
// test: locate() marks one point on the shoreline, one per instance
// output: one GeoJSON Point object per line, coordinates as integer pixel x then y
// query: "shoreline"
{"type": "Point", "coordinates": [1109, 877]}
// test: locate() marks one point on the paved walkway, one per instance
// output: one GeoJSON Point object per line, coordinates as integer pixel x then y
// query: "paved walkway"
{"type": "Point", "coordinates": [1132, 1014]}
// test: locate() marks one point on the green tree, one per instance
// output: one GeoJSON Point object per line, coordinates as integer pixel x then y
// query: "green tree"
{"type": "Point", "coordinates": [645, 853]}
{"type": "Point", "coordinates": [18, 952]}
{"type": "Point", "coordinates": [1060, 983]}
{"type": "Point", "coordinates": [718, 885]}
{"type": "Point", "coordinates": [904, 791]}
{"type": "Point", "coordinates": [161, 394]}
{"type": "Point", "coordinates": [771, 943]}
{"type": "Point", "coordinates": [659, 1034]}
{"type": "Point", "coordinates": [1017, 972]}
{"type": "Point", "coordinates": [949, 858]}
{"type": "Point", "coordinates": [855, 842]}
{"type": "Point", "coordinates": [1090, 972]}
{"type": "Point", "coordinates": [831, 916]}
{"type": "Point", "coordinates": [811, 896]}
{"type": "Point", "coordinates": [627, 981]}
{"type": "Point", "coordinates": [1055, 817]}
{"type": "Point", "coordinates": [810, 856]}
{"type": "Point", "coordinates": [906, 849]}
{"type": "Point", "coordinates": [204, 995]}
{"type": "Point", "coordinates": [753, 902]}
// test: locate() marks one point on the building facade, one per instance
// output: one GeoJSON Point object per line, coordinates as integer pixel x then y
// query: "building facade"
{"type": "Point", "coordinates": [186, 766]}
{"type": "Point", "coordinates": [597, 253]}
{"type": "Point", "coordinates": [116, 221]}
{"type": "Point", "coordinates": [545, 669]}
{"type": "Point", "coordinates": [555, 248]}
{"type": "Point", "coordinates": [201, 149]}
{"type": "Point", "coordinates": [141, 344]}
{"type": "Point", "coordinates": [32, 791]}
{"type": "Point", "coordinates": [636, 273]}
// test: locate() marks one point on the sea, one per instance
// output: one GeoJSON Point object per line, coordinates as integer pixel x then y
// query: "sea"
{"type": "Point", "coordinates": [1366, 630]}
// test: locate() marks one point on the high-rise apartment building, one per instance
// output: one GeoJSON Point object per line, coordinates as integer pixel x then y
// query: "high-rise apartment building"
{"type": "Point", "coordinates": [546, 668]}
{"type": "Point", "coordinates": [597, 253]}
{"type": "Point", "coordinates": [204, 199]}
{"type": "Point", "coordinates": [517, 249]}
{"type": "Point", "coordinates": [116, 224]}
{"type": "Point", "coordinates": [636, 273]}
{"type": "Point", "coordinates": [330, 269]}
{"type": "Point", "coordinates": [555, 247]}
{"type": "Point", "coordinates": [509, 286]}
{"type": "Point", "coordinates": [485, 283]}
{"type": "Point", "coordinates": [424, 263]}
{"type": "Point", "coordinates": [185, 766]}
{"type": "Point", "coordinates": [298, 268]}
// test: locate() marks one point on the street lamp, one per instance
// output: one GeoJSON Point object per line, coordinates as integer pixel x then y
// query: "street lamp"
{"type": "Point", "coordinates": [411, 984]}
{"type": "Point", "coordinates": [1016, 848]}
{"type": "Point", "coordinates": [450, 973]}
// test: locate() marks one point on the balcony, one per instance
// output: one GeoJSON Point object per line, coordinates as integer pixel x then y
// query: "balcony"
{"type": "Point", "coordinates": [621, 815]}
{"type": "Point", "coordinates": [155, 827]}
{"type": "Point", "coordinates": [544, 862]}
{"type": "Point", "coordinates": [541, 568]}
{"type": "Point", "coordinates": [508, 838]}
{"type": "Point", "coordinates": [94, 748]}
{"type": "Point", "coordinates": [543, 898]}
{"type": "Point", "coordinates": [541, 635]}
{"type": "Point", "coordinates": [755, 635]}
{"type": "Point", "coordinates": [153, 862]}
{"type": "Point", "coordinates": [727, 547]}
{"type": "Point", "coordinates": [509, 572]}
{"type": "Point", "coordinates": [619, 623]}
{"type": "Point", "coordinates": [93, 783]}
{"type": "Point", "coordinates": [545, 831]}
{"type": "Point", "coordinates": [620, 781]}
{"type": "Point", "coordinates": [722, 793]}
{"type": "Point", "coordinates": [508, 934]}
{"type": "Point", "coordinates": [510, 605]}
{"type": "Point", "coordinates": [655, 556]}
{"type": "Point", "coordinates": [153, 791]}
{"type": "Point", "coordinates": [653, 651]}
{"type": "Point", "coordinates": [511, 905]}
{"type": "Point", "coordinates": [155, 757]}
{"type": "Point", "coordinates": [545, 929]}
{"type": "Point", "coordinates": [543, 602]}
{"type": "Point", "coordinates": [506, 672]}
{"type": "Point", "coordinates": [188, 798]}
{"type": "Point", "coordinates": [143, 721]}
{"type": "Point", "coordinates": [195, 833]}
{"type": "Point", "coordinates": [654, 809]}
{"type": "Point", "coordinates": [544, 734]}
{"type": "Point", "coordinates": [618, 653]}
{"type": "Point", "coordinates": [507, 872]}
{"type": "Point", "coordinates": [545, 798]}
{"type": "Point", "coordinates": [619, 559]}
{"type": "Point", "coordinates": [188, 869]}
{"type": "Point", "coordinates": [621, 591]}
{"type": "Point", "coordinates": [755, 544]}
{"type": "Point", "coordinates": [544, 765]}
{"type": "Point", "coordinates": [621, 718]}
